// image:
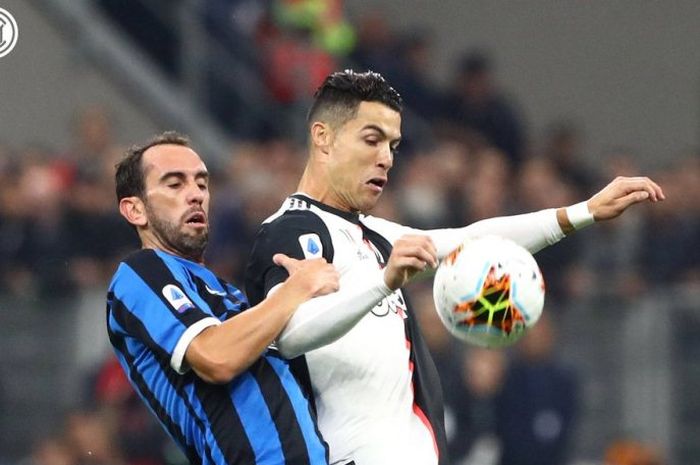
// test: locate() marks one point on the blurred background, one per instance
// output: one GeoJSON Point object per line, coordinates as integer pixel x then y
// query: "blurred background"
{"type": "Point", "coordinates": [511, 107]}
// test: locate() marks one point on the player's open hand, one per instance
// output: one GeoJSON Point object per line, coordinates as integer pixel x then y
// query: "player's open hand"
{"type": "Point", "coordinates": [412, 254]}
{"type": "Point", "coordinates": [314, 276]}
{"type": "Point", "coordinates": [620, 194]}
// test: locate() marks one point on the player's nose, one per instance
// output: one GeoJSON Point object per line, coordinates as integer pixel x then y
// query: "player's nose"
{"type": "Point", "coordinates": [195, 194]}
{"type": "Point", "coordinates": [386, 157]}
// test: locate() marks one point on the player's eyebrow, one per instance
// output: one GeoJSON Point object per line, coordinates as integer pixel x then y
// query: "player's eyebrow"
{"type": "Point", "coordinates": [202, 174]}
{"type": "Point", "coordinates": [382, 133]}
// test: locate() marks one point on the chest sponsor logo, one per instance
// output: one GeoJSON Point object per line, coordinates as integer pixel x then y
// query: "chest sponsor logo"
{"type": "Point", "coordinates": [174, 295]}
{"type": "Point", "coordinates": [391, 305]}
{"type": "Point", "coordinates": [311, 245]}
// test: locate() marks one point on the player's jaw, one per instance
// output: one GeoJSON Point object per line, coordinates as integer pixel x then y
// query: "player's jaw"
{"type": "Point", "coordinates": [369, 190]}
{"type": "Point", "coordinates": [187, 236]}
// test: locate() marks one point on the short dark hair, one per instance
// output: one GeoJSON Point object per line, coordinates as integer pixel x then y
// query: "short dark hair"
{"type": "Point", "coordinates": [129, 177]}
{"type": "Point", "coordinates": [341, 93]}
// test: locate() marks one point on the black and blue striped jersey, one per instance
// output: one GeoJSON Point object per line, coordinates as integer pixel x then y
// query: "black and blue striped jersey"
{"type": "Point", "coordinates": [157, 303]}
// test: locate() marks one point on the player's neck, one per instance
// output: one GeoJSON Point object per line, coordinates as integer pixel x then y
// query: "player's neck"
{"type": "Point", "coordinates": [312, 186]}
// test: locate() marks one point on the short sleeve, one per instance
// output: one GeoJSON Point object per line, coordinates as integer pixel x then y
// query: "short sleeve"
{"type": "Point", "coordinates": [298, 234]}
{"type": "Point", "coordinates": [151, 305]}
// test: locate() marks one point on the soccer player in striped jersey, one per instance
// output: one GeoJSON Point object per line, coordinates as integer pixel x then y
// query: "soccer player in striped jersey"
{"type": "Point", "coordinates": [198, 356]}
{"type": "Point", "coordinates": [358, 351]}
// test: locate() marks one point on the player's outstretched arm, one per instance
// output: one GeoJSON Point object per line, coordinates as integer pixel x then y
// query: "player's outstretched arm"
{"type": "Point", "coordinates": [543, 228]}
{"type": "Point", "coordinates": [220, 353]}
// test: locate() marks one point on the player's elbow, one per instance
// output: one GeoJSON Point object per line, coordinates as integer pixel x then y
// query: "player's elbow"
{"type": "Point", "coordinates": [288, 349]}
{"type": "Point", "coordinates": [212, 366]}
{"type": "Point", "coordinates": [217, 372]}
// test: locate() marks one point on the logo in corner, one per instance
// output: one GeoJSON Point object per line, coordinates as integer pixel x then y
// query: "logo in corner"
{"type": "Point", "coordinates": [178, 299]}
{"type": "Point", "coordinates": [8, 32]}
{"type": "Point", "coordinates": [311, 245]}
{"type": "Point", "coordinates": [214, 291]}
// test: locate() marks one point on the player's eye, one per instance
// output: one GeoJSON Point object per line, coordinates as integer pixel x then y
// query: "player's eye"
{"type": "Point", "coordinates": [372, 142]}
{"type": "Point", "coordinates": [174, 185]}
{"type": "Point", "coordinates": [203, 186]}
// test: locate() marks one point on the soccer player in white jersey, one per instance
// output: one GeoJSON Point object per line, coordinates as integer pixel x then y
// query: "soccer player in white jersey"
{"type": "Point", "coordinates": [358, 351]}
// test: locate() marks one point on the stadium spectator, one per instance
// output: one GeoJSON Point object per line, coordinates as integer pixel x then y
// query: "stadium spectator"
{"type": "Point", "coordinates": [412, 75]}
{"type": "Point", "coordinates": [476, 103]}
{"type": "Point", "coordinates": [671, 238]}
{"type": "Point", "coordinates": [615, 247]}
{"type": "Point", "coordinates": [376, 44]}
{"type": "Point", "coordinates": [539, 186]}
{"type": "Point", "coordinates": [562, 146]}
{"type": "Point", "coordinates": [482, 376]}
{"type": "Point", "coordinates": [538, 404]}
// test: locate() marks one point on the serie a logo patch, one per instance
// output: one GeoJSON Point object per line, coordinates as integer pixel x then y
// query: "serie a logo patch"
{"type": "Point", "coordinates": [311, 245]}
{"type": "Point", "coordinates": [174, 295]}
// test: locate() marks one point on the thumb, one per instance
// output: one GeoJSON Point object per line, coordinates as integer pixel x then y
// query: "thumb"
{"type": "Point", "coordinates": [290, 264]}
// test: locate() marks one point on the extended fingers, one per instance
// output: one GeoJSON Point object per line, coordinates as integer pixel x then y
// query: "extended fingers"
{"type": "Point", "coordinates": [643, 186]}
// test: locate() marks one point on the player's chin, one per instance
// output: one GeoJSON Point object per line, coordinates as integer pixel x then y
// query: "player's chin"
{"type": "Point", "coordinates": [196, 228]}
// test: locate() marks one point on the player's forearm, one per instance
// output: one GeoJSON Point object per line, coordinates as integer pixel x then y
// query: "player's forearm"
{"type": "Point", "coordinates": [221, 353]}
{"type": "Point", "coordinates": [534, 231]}
{"type": "Point", "coordinates": [324, 319]}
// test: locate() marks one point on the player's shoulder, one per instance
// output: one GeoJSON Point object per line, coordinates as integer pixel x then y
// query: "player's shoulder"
{"type": "Point", "coordinates": [148, 265]}
{"type": "Point", "coordinates": [132, 268]}
{"type": "Point", "coordinates": [293, 209]}
{"type": "Point", "coordinates": [296, 229]}
{"type": "Point", "coordinates": [148, 261]}
{"type": "Point", "coordinates": [137, 262]}
{"type": "Point", "coordinates": [381, 225]}
{"type": "Point", "coordinates": [295, 215]}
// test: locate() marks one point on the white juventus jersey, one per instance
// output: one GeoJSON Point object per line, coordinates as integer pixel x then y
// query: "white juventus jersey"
{"type": "Point", "coordinates": [375, 389]}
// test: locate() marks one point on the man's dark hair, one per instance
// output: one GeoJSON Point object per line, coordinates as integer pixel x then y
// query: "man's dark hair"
{"type": "Point", "coordinates": [336, 101]}
{"type": "Point", "coordinates": [130, 177]}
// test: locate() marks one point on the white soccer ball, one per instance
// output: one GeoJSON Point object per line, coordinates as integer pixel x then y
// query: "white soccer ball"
{"type": "Point", "coordinates": [489, 291]}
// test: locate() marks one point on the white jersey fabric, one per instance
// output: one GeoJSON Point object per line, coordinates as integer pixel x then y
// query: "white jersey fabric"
{"type": "Point", "coordinates": [376, 393]}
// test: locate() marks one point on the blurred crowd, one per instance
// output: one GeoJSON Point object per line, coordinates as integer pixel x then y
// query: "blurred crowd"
{"type": "Point", "coordinates": [467, 155]}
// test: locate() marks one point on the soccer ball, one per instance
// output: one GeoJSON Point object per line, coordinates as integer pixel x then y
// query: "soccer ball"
{"type": "Point", "coordinates": [489, 291]}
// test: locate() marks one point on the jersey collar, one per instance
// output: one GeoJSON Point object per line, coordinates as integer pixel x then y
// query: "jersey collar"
{"type": "Point", "coordinates": [349, 216]}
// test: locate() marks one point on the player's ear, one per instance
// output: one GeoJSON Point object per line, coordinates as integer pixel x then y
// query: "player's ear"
{"type": "Point", "coordinates": [134, 210]}
{"type": "Point", "coordinates": [321, 136]}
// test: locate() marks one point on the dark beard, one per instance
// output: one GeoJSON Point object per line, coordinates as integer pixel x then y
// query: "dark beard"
{"type": "Point", "coordinates": [190, 247]}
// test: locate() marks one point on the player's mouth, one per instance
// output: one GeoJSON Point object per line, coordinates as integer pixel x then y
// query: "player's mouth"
{"type": "Point", "coordinates": [377, 184]}
{"type": "Point", "coordinates": [197, 219]}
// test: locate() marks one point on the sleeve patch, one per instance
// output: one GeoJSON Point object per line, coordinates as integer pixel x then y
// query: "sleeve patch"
{"type": "Point", "coordinates": [311, 245]}
{"type": "Point", "coordinates": [177, 298]}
